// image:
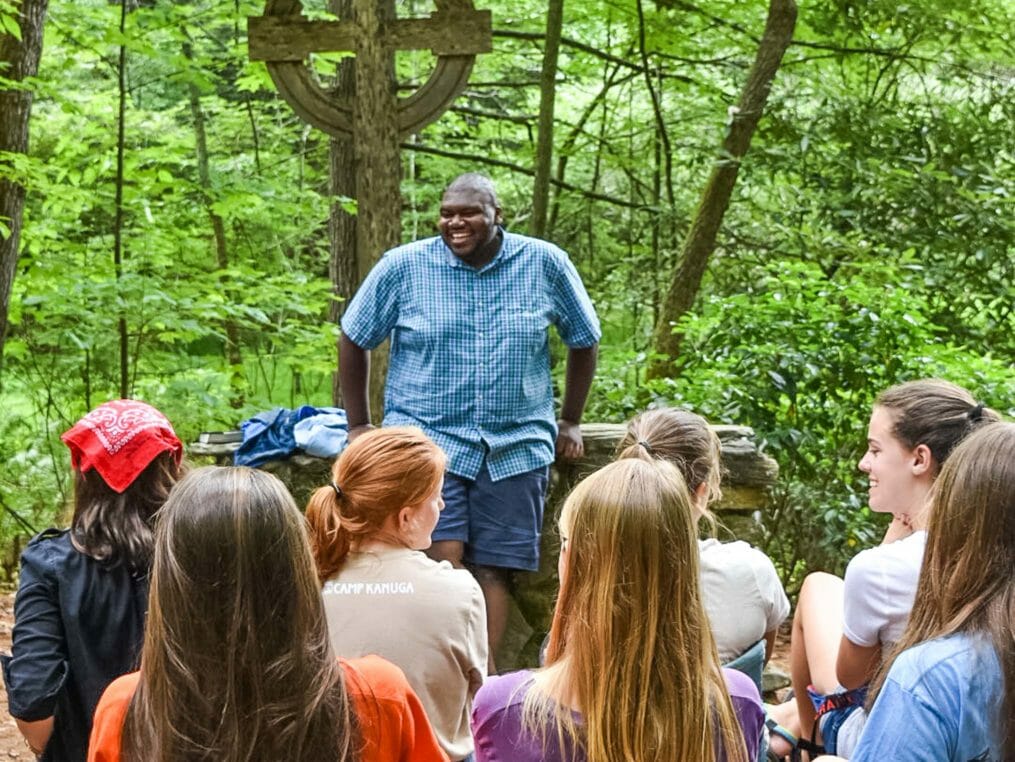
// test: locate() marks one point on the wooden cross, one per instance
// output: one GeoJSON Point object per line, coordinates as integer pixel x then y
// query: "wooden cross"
{"type": "Point", "coordinates": [283, 38]}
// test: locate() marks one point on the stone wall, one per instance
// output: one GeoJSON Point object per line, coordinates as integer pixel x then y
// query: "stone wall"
{"type": "Point", "coordinates": [748, 475]}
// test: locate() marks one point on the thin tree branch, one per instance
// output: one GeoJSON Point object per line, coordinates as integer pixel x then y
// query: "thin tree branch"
{"type": "Point", "coordinates": [517, 168]}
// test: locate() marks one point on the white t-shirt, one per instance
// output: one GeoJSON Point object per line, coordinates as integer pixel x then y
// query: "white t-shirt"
{"type": "Point", "coordinates": [426, 617]}
{"type": "Point", "coordinates": [879, 589]}
{"type": "Point", "coordinates": [742, 594]}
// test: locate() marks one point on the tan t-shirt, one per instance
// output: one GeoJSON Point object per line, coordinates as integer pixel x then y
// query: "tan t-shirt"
{"type": "Point", "coordinates": [428, 618]}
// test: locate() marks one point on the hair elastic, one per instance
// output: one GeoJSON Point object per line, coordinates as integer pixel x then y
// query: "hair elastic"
{"type": "Point", "coordinates": [975, 413]}
{"type": "Point", "coordinates": [647, 446]}
{"type": "Point", "coordinates": [338, 490]}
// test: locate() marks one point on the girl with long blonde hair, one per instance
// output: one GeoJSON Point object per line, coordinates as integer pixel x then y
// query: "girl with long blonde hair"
{"type": "Point", "coordinates": [632, 670]}
{"type": "Point", "coordinates": [381, 594]}
{"type": "Point", "coordinates": [236, 664]}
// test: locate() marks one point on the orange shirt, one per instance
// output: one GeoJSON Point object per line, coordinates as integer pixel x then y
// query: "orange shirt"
{"type": "Point", "coordinates": [392, 722]}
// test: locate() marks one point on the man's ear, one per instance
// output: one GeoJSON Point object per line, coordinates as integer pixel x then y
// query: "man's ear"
{"type": "Point", "coordinates": [923, 460]}
{"type": "Point", "coordinates": [498, 218]}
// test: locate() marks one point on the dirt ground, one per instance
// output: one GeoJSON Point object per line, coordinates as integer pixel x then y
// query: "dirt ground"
{"type": "Point", "coordinates": [12, 746]}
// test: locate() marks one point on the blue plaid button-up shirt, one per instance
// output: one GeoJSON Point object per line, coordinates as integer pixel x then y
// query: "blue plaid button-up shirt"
{"type": "Point", "coordinates": [470, 361]}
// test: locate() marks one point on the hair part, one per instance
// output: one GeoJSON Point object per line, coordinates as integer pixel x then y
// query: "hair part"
{"type": "Point", "coordinates": [377, 475]}
{"type": "Point", "coordinates": [117, 527]}
{"type": "Point", "coordinates": [967, 581]}
{"type": "Point", "coordinates": [236, 663]}
{"type": "Point", "coordinates": [935, 413]}
{"type": "Point", "coordinates": [630, 641]}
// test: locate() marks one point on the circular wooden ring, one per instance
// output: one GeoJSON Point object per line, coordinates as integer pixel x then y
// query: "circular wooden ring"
{"type": "Point", "coordinates": [301, 90]}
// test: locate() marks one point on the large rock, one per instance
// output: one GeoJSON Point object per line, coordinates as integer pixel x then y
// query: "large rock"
{"type": "Point", "coordinates": [748, 475]}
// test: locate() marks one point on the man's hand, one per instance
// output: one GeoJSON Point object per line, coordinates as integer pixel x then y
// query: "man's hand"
{"type": "Point", "coordinates": [570, 445]}
{"type": "Point", "coordinates": [363, 428]}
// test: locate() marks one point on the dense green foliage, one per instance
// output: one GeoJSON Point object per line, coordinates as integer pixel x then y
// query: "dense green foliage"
{"type": "Point", "coordinates": [870, 239]}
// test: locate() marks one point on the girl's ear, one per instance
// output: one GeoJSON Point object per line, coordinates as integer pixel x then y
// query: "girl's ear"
{"type": "Point", "coordinates": [701, 498]}
{"type": "Point", "coordinates": [405, 516]}
{"type": "Point", "coordinates": [923, 460]}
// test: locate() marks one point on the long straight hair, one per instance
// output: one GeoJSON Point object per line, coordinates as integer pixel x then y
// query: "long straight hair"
{"type": "Point", "coordinates": [967, 582]}
{"type": "Point", "coordinates": [376, 476]}
{"type": "Point", "coordinates": [630, 643]}
{"type": "Point", "coordinates": [236, 664]}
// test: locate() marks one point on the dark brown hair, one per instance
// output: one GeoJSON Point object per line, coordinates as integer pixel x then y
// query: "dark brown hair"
{"type": "Point", "coordinates": [117, 527]}
{"type": "Point", "coordinates": [934, 413]}
{"type": "Point", "coordinates": [236, 664]}
{"type": "Point", "coordinates": [967, 581]}
{"type": "Point", "coordinates": [376, 476]}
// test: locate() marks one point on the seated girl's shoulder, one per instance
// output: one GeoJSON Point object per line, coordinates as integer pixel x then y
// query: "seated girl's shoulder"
{"type": "Point", "coordinates": [448, 574]}
{"type": "Point", "coordinates": [501, 691]}
{"type": "Point", "coordinates": [952, 659]}
{"type": "Point", "coordinates": [374, 676]}
{"type": "Point", "coordinates": [740, 686]}
{"type": "Point", "coordinates": [903, 554]}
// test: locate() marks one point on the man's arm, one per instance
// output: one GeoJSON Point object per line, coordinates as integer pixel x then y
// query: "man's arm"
{"type": "Point", "coordinates": [581, 367]}
{"type": "Point", "coordinates": [353, 375]}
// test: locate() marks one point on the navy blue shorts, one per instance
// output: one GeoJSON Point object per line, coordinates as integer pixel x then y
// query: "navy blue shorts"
{"type": "Point", "coordinates": [499, 522]}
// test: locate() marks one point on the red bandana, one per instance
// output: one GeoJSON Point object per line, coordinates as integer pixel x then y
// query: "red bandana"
{"type": "Point", "coordinates": [119, 440]}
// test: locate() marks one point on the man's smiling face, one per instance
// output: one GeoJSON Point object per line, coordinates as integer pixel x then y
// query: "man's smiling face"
{"type": "Point", "coordinates": [468, 220]}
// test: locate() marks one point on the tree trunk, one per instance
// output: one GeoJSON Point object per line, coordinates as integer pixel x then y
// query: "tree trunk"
{"type": "Point", "coordinates": [544, 139]}
{"type": "Point", "coordinates": [342, 262]}
{"type": "Point", "coordinates": [19, 59]}
{"type": "Point", "coordinates": [701, 238]}
{"type": "Point", "coordinates": [378, 166]}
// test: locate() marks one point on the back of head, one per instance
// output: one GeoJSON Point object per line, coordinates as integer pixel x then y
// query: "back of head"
{"type": "Point", "coordinates": [126, 457]}
{"type": "Point", "coordinates": [679, 437]}
{"type": "Point", "coordinates": [629, 636]}
{"type": "Point", "coordinates": [934, 413]}
{"type": "Point", "coordinates": [970, 553]}
{"type": "Point", "coordinates": [967, 582]}
{"type": "Point", "coordinates": [377, 475]}
{"type": "Point", "coordinates": [236, 662]}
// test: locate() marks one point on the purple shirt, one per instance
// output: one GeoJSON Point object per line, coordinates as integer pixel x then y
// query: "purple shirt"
{"type": "Point", "coordinates": [497, 720]}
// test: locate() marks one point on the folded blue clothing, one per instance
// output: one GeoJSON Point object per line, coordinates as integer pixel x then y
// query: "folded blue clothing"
{"type": "Point", "coordinates": [278, 433]}
{"type": "Point", "coordinates": [324, 435]}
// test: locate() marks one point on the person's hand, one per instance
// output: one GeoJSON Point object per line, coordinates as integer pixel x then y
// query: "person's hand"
{"type": "Point", "coordinates": [363, 428]}
{"type": "Point", "coordinates": [899, 529]}
{"type": "Point", "coordinates": [570, 445]}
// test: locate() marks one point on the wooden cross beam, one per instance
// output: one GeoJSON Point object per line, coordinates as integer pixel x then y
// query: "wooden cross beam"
{"type": "Point", "coordinates": [293, 38]}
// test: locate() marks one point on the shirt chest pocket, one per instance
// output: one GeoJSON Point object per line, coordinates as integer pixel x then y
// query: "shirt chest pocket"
{"type": "Point", "coordinates": [524, 327]}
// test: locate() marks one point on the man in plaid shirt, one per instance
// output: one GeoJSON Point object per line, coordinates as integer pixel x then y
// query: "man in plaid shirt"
{"type": "Point", "coordinates": [467, 313]}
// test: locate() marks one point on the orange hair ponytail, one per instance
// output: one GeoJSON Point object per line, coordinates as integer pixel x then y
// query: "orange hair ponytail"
{"type": "Point", "coordinates": [376, 476]}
